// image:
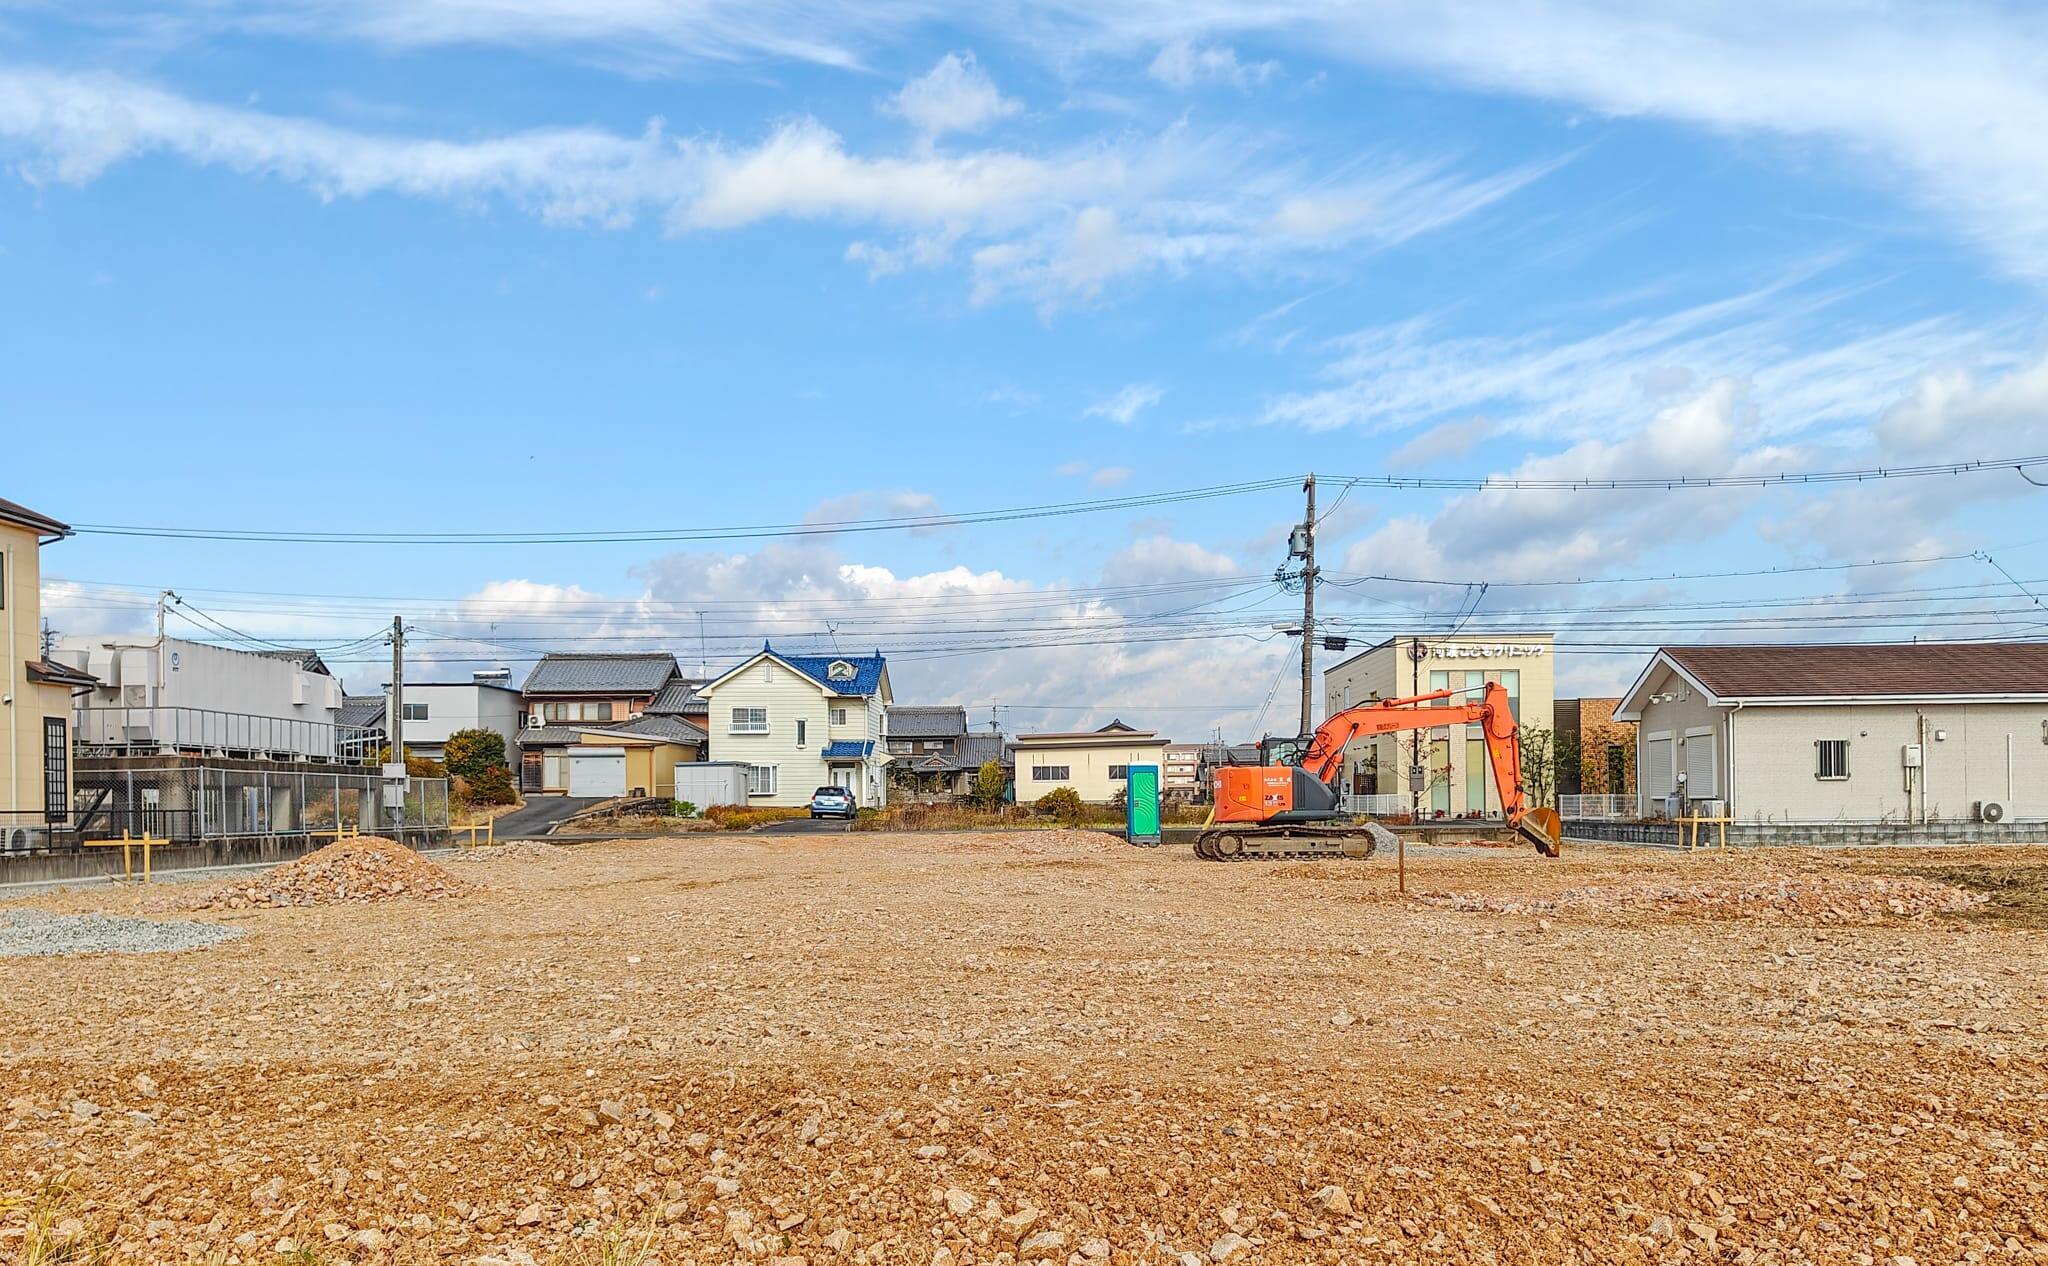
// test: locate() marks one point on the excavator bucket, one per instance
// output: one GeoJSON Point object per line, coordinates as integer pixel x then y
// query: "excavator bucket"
{"type": "Point", "coordinates": [1544, 829]}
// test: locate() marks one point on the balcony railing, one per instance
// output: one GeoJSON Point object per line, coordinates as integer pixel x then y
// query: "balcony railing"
{"type": "Point", "coordinates": [174, 729]}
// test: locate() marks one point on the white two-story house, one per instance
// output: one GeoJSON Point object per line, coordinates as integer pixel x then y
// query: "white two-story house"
{"type": "Point", "coordinates": [800, 722]}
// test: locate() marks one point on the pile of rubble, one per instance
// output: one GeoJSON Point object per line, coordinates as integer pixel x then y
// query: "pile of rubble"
{"type": "Point", "coordinates": [514, 851]}
{"type": "Point", "coordinates": [362, 868]}
{"type": "Point", "coordinates": [1821, 898]}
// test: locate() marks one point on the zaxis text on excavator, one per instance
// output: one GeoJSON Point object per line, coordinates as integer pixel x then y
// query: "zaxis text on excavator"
{"type": "Point", "coordinates": [1275, 811]}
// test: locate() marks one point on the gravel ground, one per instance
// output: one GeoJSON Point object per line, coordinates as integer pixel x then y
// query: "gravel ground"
{"type": "Point", "coordinates": [39, 934]}
{"type": "Point", "coordinates": [949, 1050]}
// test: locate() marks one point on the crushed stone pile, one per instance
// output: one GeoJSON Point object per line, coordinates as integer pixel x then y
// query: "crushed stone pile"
{"type": "Point", "coordinates": [512, 851]}
{"type": "Point", "coordinates": [1061, 841]}
{"type": "Point", "coordinates": [41, 934]}
{"type": "Point", "coordinates": [363, 868]}
{"type": "Point", "coordinates": [1842, 899]}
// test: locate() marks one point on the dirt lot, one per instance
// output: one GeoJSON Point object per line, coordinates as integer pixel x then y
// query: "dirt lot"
{"type": "Point", "coordinates": [955, 1049]}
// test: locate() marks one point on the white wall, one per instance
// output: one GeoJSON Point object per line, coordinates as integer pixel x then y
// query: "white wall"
{"type": "Point", "coordinates": [456, 706]}
{"type": "Point", "coordinates": [789, 697]}
{"type": "Point", "coordinates": [1776, 762]}
{"type": "Point", "coordinates": [196, 675]}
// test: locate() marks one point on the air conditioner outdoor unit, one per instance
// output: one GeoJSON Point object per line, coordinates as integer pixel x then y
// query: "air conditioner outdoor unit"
{"type": "Point", "coordinates": [1991, 811]}
{"type": "Point", "coordinates": [1710, 808]}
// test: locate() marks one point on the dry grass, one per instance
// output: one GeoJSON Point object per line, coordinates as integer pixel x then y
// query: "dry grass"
{"type": "Point", "coordinates": [54, 1234]}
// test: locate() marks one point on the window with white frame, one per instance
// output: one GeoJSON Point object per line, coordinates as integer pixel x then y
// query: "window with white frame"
{"type": "Point", "coordinates": [1049, 773]}
{"type": "Point", "coordinates": [839, 716]}
{"type": "Point", "coordinates": [799, 731]}
{"type": "Point", "coordinates": [749, 721]}
{"type": "Point", "coordinates": [1119, 773]}
{"type": "Point", "coordinates": [572, 710]}
{"type": "Point", "coordinates": [761, 780]}
{"type": "Point", "coordinates": [415, 711]}
{"type": "Point", "coordinates": [1831, 758]}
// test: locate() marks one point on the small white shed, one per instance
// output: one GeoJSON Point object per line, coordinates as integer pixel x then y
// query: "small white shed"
{"type": "Point", "coordinates": [706, 783]}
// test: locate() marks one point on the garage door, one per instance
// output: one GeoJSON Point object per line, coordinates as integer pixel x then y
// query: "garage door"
{"type": "Point", "coordinates": [597, 771]}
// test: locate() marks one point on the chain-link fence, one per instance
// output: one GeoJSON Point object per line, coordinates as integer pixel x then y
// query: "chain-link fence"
{"type": "Point", "coordinates": [188, 803]}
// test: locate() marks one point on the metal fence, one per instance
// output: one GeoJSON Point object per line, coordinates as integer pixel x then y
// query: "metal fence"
{"type": "Point", "coordinates": [1382, 804]}
{"type": "Point", "coordinates": [1600, 808]}
{"type": "Point", "coordinates": [200, 802]}
{"type": "Point", "coordinates": [119, 729]}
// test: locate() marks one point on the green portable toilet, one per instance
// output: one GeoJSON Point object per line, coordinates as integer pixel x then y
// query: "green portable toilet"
{"type": "Point", "coordinates": [1141, 805]}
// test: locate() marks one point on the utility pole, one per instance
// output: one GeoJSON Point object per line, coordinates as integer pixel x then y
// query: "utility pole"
{"type": "Point", "coordinates": [394, 723]}
{"type": "Point", "coordinates": [162, 665]}
{"type": "Point", "coordinates": [1308, 613]}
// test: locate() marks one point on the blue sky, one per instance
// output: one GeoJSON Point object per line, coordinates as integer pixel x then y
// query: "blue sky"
{"type": "Point", "coordinates": [630, 263]}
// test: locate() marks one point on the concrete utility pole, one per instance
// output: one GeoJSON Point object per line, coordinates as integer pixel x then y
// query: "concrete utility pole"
{"type": "Point", "coordinates": [1308, 613]}
{"type": "Point", "coordinates": [394, 724]}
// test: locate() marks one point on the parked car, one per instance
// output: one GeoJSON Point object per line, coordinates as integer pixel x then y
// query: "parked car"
{"type": "Point", "coordinates": [832, 802]}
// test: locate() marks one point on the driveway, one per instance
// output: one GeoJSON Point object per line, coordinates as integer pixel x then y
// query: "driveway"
{"type": "Point", "coordinates": [541, 814]}
{"type": "Point", "coordinates": [807, 826]}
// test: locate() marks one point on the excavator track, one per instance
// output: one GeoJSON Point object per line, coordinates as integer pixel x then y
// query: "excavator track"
{"type": "Point", "coordinates": [1292, 842]}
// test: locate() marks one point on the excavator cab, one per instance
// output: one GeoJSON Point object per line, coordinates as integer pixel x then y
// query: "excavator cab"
{"type": "Point", "coordinates": [1274, 750]}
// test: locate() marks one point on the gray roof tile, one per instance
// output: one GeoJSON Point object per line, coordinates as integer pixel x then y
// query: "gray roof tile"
{"type": "Point", "coordinates": [926, 722]}
{"type": "Point", "coordinates": [563, 674]}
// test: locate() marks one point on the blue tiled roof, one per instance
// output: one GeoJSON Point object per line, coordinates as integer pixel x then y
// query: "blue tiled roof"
{"type": "Point", "coordinates": [867, 670]}
{"type": "Point", "coordinates": [849, 749]}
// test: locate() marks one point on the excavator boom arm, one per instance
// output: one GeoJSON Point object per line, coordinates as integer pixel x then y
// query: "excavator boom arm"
{"type": "Point", "coordinates": [1496, 720]}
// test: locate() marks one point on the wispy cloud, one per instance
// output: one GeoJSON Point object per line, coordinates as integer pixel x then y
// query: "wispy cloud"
{"type": "Point", "coordinates": [1129, 401]}
{"type": "Point", "coordinates": [1050, 227]}
{"type": "Point", "coordinates": [1809, 366]}
{"type": "Point", "coordinates": [1184, 64]}
{"type": "Point", "coordinates": [1944, 102]}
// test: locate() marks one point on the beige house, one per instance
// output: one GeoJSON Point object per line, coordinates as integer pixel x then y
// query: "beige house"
{"type": "Point", "coordinates": [801, 722]}
{"type": "Point", "coordinates": [1094, 763]}
{"type": "Point", "coordinates": [1907, 734]}
{"type": "Point", "coordinates": [1456, 778]}
{"type": "Point", "coordinates": [35, 716]}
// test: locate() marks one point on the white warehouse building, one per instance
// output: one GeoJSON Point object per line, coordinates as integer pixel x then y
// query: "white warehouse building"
{"type": "Point", "coordinates": [1898, 736]}
{"type": "Point", "coordinates": [170, 694]}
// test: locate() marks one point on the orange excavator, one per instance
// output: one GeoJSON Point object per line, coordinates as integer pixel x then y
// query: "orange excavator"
{"type": "Point", "coordinates": [1294, 811]}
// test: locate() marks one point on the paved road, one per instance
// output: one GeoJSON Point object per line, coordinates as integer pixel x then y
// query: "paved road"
{"type": "Point", "coordinates": [539, 813]}
{"type": "Point", "coordinates": [808, 826]}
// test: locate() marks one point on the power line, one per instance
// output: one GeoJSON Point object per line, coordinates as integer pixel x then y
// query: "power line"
{"type": "Point", "coordinates": [824, 527]}
{"type": "Point", "coordinates": [899, 523]}
{"type": "Point", "coordinates": [1676, 482]}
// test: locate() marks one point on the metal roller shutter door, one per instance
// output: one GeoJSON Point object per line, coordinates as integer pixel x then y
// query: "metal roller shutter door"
{"type": "Point", "coordinates": [597, 771]}
{"type": "Point", "coordinates": [1657, 768]}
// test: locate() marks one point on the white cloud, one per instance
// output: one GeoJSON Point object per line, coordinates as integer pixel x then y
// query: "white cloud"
{"type": "Point", "coordinates": [1049, 227]}
{"type": "Point", "coordinates": [1072, 470]}
{"type": "Point", "coordinates": [1945, 100]}
{"type": "Point", "coordinates": [1183, 64]}
{"type": "Point", "coordinates": [1449, 439]}
{"type": "Point", "coordinates": [1110, 476]}
{"type": "Point", "coordinates": [1129, 401]}
{"type": "Point", "coordinates": [1808, 366]}
{"type": "Point", "coordinates": [955, 95]}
